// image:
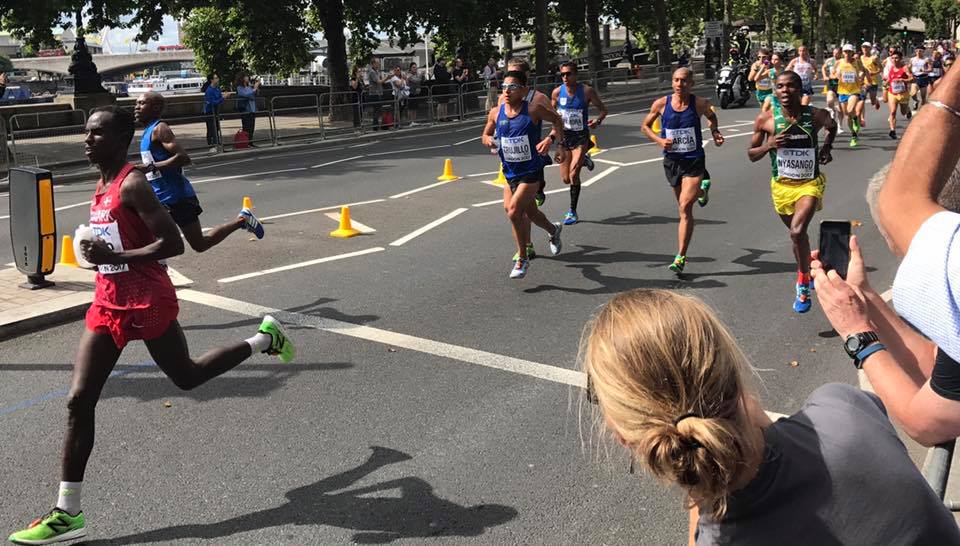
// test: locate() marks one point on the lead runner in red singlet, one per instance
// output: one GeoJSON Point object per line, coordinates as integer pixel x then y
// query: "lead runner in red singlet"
{"type": "Point", "coordinates": [134, 299]}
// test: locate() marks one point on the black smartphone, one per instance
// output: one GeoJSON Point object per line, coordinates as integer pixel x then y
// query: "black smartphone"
{"type": "Point", "coordinates": [835, 245]}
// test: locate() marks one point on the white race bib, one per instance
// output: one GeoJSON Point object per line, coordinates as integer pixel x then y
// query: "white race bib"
{"type": "Point", "coordinates": [796, 163]}
{"type": "Point", "coordinates": [572, 119]}
{"type": "Point", "coordinates": [516, 149]}
{"type": "Point", "coordinates": [848, 77]}
{"type": "Point", "coordinates": [898, 87]}
{"type": "Point", "coordinates": [110, 234]}
{"type": "Point", "coordinates": [684, 139]}
{"type": "Point", "coordinates": [147, 159]}
{"type": "Point", "coordinates": [763, 84]}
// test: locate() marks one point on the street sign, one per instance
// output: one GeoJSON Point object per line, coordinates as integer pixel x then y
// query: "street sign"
{"type": "Point", "coordinates": [713, 29]}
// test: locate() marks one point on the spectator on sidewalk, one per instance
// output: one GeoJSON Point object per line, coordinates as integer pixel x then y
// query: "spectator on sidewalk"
{"type": "Point", "coordinates": [442, 88]}
{"type": "Point", "coordinates": [460, 72]}
{"type": "Point", "coordinates": [247, 103]}
{"type": "Point", "coordinates": [917, 382]}
{"type": "Point", "coordinates": [356, 86]}
{"type": "Point", "coordinates": [491, 78]}
{"type": "Point", "coordinates": [375, 94]}
{"type": "Point", "coordinates": [401, 93]}
{"type": "Point", "coordinates": [212, 99]}
{"type": "Point", "coordinates": [3, 84]}
{"type": "Point", "coordinates": [671, 384]}
{"type": "Point", "coordinates": [414, 81]}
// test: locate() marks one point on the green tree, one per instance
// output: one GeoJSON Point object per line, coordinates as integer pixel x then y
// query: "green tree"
{"type": "Point", "coordinates": [5, 64]}
{"type": "Point", "coordinates": [940, 17]}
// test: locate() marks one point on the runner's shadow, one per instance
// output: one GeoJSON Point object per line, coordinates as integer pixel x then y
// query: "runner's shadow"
{"type": "Point", "coordinates": [416, 513]}
{"type": "Point", "coordinates": [613, 285]}
{"type": "Point", "coordinates": [588, 253]}
{"type": "Point", "coordinates": [643, 219]}
{"type": "Point", "coordinates": [311, 309]}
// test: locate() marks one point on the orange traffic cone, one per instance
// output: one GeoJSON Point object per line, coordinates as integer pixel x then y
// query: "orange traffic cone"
{"type": "Point", "coordinates": [656, 126]}
{"type": "Point", "coordinates": [346, 229]}
{"type": "Point", "coordinates": [67, 256]}
{"type": "Point", "coordinates": [447, 171]}
{"type": "Point", "coordinates": [247, 203]}
{"type": "Point", "coordinates": [596, 147]}
{"type": "Point", "coordinates": [501, 180]}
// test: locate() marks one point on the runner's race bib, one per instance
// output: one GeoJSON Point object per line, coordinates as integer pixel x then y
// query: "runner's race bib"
{"type": "Point", "coordinates": [684, 139]}
{"type": "Point", "coordinates": [935, 72]}
{"type": "Point", "coordinates": [572, 119]}
{"type": "Point", "coordinates": [110, 234]}
{"type": "Point", "coordinates": [516, 149]}
{"type": "Point", "coordinates": [898, 87]}
{"type": "Point", "coordinates": [763, 84]}
{"type": "Point", "coordinates": [796, 163]}
{"type": "Point", "coordinates": [848, 77]}
{"type": "Point", "coordinates": [147, 159]}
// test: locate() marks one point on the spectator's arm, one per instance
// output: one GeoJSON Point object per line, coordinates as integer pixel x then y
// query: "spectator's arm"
{"type": "Point", "coordinates": [909, 196]}
{"type": "Point", "coordinates": [913, 351]}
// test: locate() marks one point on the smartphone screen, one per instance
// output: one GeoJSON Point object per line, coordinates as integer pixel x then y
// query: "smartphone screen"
{"type": "Point", "coordinates": [835, 245]}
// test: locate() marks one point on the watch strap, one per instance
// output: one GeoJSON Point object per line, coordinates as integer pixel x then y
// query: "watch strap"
{"type": "Point", "coordinates": [864, 353]}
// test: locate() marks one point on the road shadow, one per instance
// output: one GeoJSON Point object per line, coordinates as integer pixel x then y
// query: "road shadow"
{"type": "Point", "coordinates": [642, 219]}
{"type": "Point", "coordinates": [610, 284]}
{"type": "Point", "coordinates": [315, 309]}
{"type": "Point", "coordinates": [595, 254]}
{"type": "Point", "coordinates": [416, 513]}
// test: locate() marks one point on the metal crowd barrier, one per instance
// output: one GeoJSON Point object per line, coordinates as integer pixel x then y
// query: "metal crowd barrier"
{"type": "Point", "coordinates": [341, 113]}
{"type": "Point", "coordinates": [4, 150]}
{"type": "Point", "coordinates": [296, 117]}
{"type": "Point", "coordinates": [444, 105]}
{"type": "Point", "coordinates": [34, 143]}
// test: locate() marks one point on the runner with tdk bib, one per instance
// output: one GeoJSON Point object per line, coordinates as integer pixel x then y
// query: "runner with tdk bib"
{"type": "Point", "coordinates": [133, 299]}
{"type": "Point", "coordinates": [162, 161]}
{"type": "Point", "coordinates": [684, 161]}
{"type": "Point", "coordinates": [788, 134]}
{"type": "Point", "coordinates": [849, 75]}
{"type": "Point", "coordinates": [572, 100]}
{"type": "Point", "coordinates": [514, 129]}
{"type": "Point", "coordinates": [806, 68]}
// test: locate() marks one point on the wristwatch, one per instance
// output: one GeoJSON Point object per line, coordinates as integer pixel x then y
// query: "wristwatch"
{"type": "Point", "coordinates": [861, 345]}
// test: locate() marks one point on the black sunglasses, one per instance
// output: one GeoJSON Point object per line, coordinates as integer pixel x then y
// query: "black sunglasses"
{"type": "Point", "coordinates": [565, 74]}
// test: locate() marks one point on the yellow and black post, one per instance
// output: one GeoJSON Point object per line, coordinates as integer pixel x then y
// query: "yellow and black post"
{"type": "Point", "coordinates": [33, 224]}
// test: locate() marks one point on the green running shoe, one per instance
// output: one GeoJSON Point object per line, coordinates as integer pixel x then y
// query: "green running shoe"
{"type": "Point", "coordinates": [56, 526]}
{"type": "Point", "coordinates": [531, 254]}
{"type": "Point", "coordinates": [856, 124]}
{"type": "Point", "coordinates": [678, 263]}
{"type": "Point", "coordinates": [853, 141]}
{"type": "Point", "coordinates": [703, 199]}
{"type": "Point", "coordinates": [281, 345]}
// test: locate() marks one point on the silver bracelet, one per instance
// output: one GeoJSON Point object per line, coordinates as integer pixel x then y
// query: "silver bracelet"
{"type": "Point", "coordinates": [944, 107]}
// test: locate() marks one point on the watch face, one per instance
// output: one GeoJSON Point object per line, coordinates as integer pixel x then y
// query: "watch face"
{"type": "Point", "coordinates": [852, 344]}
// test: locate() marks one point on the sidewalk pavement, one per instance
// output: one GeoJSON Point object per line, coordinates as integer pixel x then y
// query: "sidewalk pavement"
{"type": "Point", "coordinates": [24, 311]}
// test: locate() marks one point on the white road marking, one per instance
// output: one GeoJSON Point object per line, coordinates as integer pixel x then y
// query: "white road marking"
{"type": "Point", "coordinates": [468, 140]}
{"type": "Point", "coordinates": [362, 228]}
{"type": "Point", "coordinates": [334, 162]}
{"type": "Point", "coordinates": [519, 366]}
{"type": "Point", "coordinates": [58, 209]}
{"type": "Point", "coordinates": [420, 189]}
{"type": "Point", "coordinates": [248, 175]}
{"type": "Point", "coordinates": [597, 177]}
{"type": "Point", "coordinates": [497, 202]}
{"type": "Point", "coordinates": [321, 209]}
{"type": "Point", "coordinates": [641, 162]}
{"type": "Point", "coordinates": [428, 227]}
{"type": "Point", "coordinates": [480, 174]}
{"type": "Point", "coordinates": [608, 162]}
{"type": "Point", "coordinates": [364, 144]}
{"type": "Point", "coordinates": [225, 163]}
{"type": "Point", "coordinates": [299, 265]}
{"type": "Point", "coordinates": [409, 150]}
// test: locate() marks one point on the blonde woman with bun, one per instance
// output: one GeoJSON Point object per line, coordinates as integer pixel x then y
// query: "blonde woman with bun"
{"type": "Point", "coordinates": [671, 383]}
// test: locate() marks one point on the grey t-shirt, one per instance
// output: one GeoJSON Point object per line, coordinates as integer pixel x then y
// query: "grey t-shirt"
{"type": "Point", "coordinates": [373, 81]}
{"type": "Point", "coordinates": [834, 473]}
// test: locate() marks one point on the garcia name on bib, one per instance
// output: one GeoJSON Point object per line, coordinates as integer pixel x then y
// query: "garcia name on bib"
{"type": "Point", "coordinates": [684, 139]}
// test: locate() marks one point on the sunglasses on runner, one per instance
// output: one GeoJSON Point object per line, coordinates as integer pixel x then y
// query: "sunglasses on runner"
{"type": "Point", "coordinates": [565, 74]}
{"type": "Point", "coordinates": [510, 86]}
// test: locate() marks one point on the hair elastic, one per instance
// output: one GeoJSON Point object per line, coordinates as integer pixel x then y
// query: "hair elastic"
{"type": "Point", "coordinates": [684, 416]}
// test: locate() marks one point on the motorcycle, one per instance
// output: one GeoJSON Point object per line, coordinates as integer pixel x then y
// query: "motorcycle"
{"type": "Point", "coordinates": [732, 85]}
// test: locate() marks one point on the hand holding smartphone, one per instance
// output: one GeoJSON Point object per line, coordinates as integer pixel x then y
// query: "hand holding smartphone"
{"type": "Point", "coordinates": [835, 246]}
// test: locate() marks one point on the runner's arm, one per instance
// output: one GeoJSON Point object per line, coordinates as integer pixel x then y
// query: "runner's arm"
{"type": "Point", "coordinates": [655, 112]}
{"type": "Point", "coordinates": [554, 97]}
{"type": "Point", "coordinates": [543, 111]}
{"type": "Point", "coordinates": [178, 156]}
{"type": "Point", "coordinates": [490, 127]}
{"type": "Point", "coordinates": [760, 144]}
{"type": "Point", "coordinates": [909, 196]}
{"type": "Point", "coordinates": [594, 98]}
{"type": "Point", "coordinates": [137, 194]}
{"type": "Point", "coordinates": [822, 119]}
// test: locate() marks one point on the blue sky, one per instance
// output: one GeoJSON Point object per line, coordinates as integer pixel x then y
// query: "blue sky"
{"type": "Point", "coordinates": [121, 39]}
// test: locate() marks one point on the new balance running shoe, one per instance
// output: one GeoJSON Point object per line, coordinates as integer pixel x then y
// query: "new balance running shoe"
{"type": "Point", "coordinates": [56, 526]}
{"type": "Point", "coordinates": [280, 344]}
{"type": "Point", "coordinates": [704, 196]}
{"type": "Point", "coordinates": [555, 244]}
{"type": "Point", "coordinates": [251, 223]}
{"type": "Point", "coordinates": [803, 302]}
{"type": "Point", "coordinates": [588, 162]}
{"type": "Point", "coordinates": [519, 270]}
{"type": "Point", "coordinates": [678, 264]}
{"type": "Point", "coordinates": [531, 254]}
{"type": "Point", "coordinates": [570, 218]}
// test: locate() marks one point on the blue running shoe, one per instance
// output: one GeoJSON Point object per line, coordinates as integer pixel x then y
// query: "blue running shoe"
{"type": "Point", "coordinates": [251, 223]}
{"type": "Point", "coordinates": [803, 302]}
{"type": "Point", "coordinates": [570, 218]}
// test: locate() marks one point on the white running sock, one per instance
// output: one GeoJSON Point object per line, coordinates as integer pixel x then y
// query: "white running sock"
{"type": "Point", "coordinates": [69, 497]}
{"type": "Point", "coordinates": [260, 342]}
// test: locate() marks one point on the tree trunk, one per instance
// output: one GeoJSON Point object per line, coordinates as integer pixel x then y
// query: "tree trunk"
{"type": "Point", "coordinates": [594, 47]}
{"type": "Point", "coordinates": [542, 34]}
{"type": "Point", "coordinates": [727, 20]}
{"type": "Point", "coordinates": [331, 18]}
{"type": "Point", "coordinates": [821, 39]}
{"type": "Point", "coordinates": [663, 32]}
{"type": "Point", "coordinates": [507, 45]}
{"type": "Point", "coordinates": [768, 22]}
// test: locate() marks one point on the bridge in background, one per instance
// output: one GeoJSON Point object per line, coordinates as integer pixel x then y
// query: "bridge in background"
{"type": "Point", "coordinates": [106, 64]}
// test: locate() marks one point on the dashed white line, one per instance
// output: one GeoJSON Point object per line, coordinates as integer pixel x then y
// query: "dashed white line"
{"type": "Point", "coordinates": [334, 162]}
{"type": "Point", "coordinates": [466, 141]}
{"type": "Point", "coordinates": [321, 209]}
{"type": "Point", "coordinates": [299, 265]}
{"type": "Point", "coordinates": [597, 178]}
{"type": "Point", "coordinates": [410, 236]}
{"type": "Point", "coordinates": [409, 150]}
{"type": "Point", "coordinates": [608, 162]}
{"type": "Point", "coordinates": [226, 163]}
{"type": "Point", "coordinates": [496, 202]}
{"type": "Point", "coordinates": [364, 144]}
{"type": "Point", "coordinates": [480, 174]}
{"type": "Point", "coordinates": [420, 189]}
{"type": "Point", "coordinates": [248, 175]}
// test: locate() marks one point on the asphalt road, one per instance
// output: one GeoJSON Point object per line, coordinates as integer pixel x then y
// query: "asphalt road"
{"type": "Point", "coordinates": [457, 375]}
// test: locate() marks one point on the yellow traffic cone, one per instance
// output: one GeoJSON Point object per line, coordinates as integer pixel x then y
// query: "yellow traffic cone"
{"type": "Point", "coordinates": [501, 180]}
{"type": "Point", "coordinates": [447, 171]}
{"type": "Point", "coordinates": [247, 202]}
{"type": "Point", "coordinates": [67, 256]}
{"type": "Point", "coordinates": [346, 229]}
{"type": "Point", "coordinates": [656, 125]}
{"type": "Point", "coordinates": [596, 147]}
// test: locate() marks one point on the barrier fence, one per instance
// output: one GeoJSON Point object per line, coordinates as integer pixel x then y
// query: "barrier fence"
{"type": "Point", "coordinates": [54, 139]}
